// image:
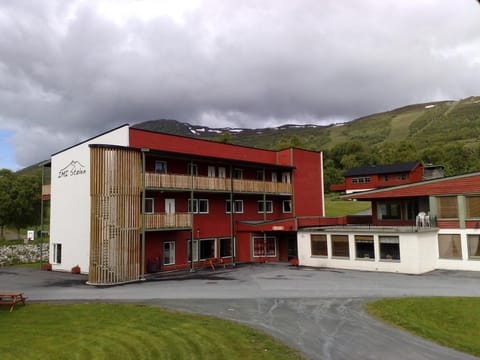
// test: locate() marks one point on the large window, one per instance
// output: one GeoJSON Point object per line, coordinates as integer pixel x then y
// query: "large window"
{"type": "Point", "coordinates": [264, 247]}
{"type": "Point", "coordinates": [389, 247]}
{"type": "Point", "coordinates": [168, 253]}
{"type": "Point", "coordinates": [198, 206]}
{"type": "Point", "coordinates": [265, 206]}
{"type": "Point", "coordinates": [449, 246]}
{"type": "Point", "coordinates": [473, 207]}
{"type": "Point", "coordinates": [447, 207]}
{"type": "Point", "coordinates": [225, 247]}
{"type": "Point", "coordinates": [340, 247]}
{"type": "Point", "coordinates": [361, 180]}
{"type": "Point", "coordinates": [389, 210]}
{"type": "Point", "coordinates": [364, 247]}
{"type": "Point", "coordinates": [207, 249]}
{"type": "Point", "coordinates": [238, 206]}
{"type": "Point", "coordinates": [473, 246]}
{"type": "Point", "coordinates": [318, 245]}
{"type": "Point", "coordinates": [57, 253]}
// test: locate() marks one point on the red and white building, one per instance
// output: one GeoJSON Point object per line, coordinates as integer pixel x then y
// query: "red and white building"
{"type": "Point", "coordinates": [371, 177]}
{"type": "Point", "coordinates": [129, 202]}
{"type": "Point", "coordinates": [414, 228]}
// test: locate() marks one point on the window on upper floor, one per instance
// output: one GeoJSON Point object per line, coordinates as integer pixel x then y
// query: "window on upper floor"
{"type": "Point", "coordinates": [192, 169]}
{"type": "Point", "coordinates": [473, 207]}
{"type": "Point", "coordinates": [198, 206]}
{"type": "Point", "coordinates": [160, 167]}
{"type": "Point", "coordinates": [389, 210]}
{"type": "Point", "coordinates": [260, 175]}
{"type": "Point", "coordinates": [238, 207]}
{"type": "Point", "coordinates": [265, 206]}
{"type": "Point", "coordinates": [237, 173]}
{"type": "Point", "coordinates": [447, 207]}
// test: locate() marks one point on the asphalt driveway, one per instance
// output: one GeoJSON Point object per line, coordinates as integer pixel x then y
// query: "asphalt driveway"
{"type": "Point", "coordinates": [318, 311]}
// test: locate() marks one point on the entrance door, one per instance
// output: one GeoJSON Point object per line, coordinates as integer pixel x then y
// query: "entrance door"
{"type": "Point", "coordinates": [211, 171]}
{"type": "Point", "coordinates": [170, 212]}
{"type": "Point", "coordinates": [292, 252]}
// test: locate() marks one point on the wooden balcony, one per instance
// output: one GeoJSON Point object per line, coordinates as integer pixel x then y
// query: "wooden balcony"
{"type": "Point", "coordinates": [167, 221]}
{"type": "Point", "coordinates": [186, 182]}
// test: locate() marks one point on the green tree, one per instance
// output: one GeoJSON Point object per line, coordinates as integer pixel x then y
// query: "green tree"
{"type": "Point", "coordinates": [6, 199]}
{"type": "Point", "coordinates": [225, 138]}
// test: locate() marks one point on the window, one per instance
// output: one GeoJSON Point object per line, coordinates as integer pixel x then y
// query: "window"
{"type": "Point", "coordinates": [207, 249]}
{"type": "Point", "coordinates": [340, 247]}
{"type": "Point", "coordinates": [160, 167]}
{"type": "Point", "coordinates": [287, 206]}
{"type": "Point", "coordinates": [318, 245]}
{"type": "Point", "coordinates": [447, 207]}
{"type": "Point", "coordinates": [389, 210]}
{"type": "Point", "coordinates": [260, 175]}
{"type": "Point", "coordinates": [265, 206]}
{"type": "Point", "coordinates": [221, 172]}
{"type": "Point", "coordinates": [361, 180]}
{"type": "Point", "coordinates": [411, 209]}
{"type": "Point", "coordinates": [57, 253]}
{"type": "Point", "coordinates": [385, 177]}
{"type": "Point", "coordinates": [211, 171]}
{"type": "Point", "coordinates": [473, 242]}
{"type": "Point", "coordinates": [225, 247]}
{"type": "Point", "coordinates": [238, 174]}
{"type": "Point", "coordinates": [238, 209]}
{"type": "Point", "coordinates": [389, 247]}
{"type": "Point", "coordinates": [449, 246]}
{"type": "Point", "coordinates": [274, 177]}
{"type": "Point", "coordinates": [149, 206]}
{"type": "Point", "coordinates": [286, 177]}
{"type": "Point", "coordinates": [364, 247]}
{"type": "Point", "coordinates": [264, 247]}
{"type": "Point", "coordinates": [473, 207]}
{"type": "Point", "coordinates": [168, 253]}
{"type": "Point", "coordinates": [198, 206]}
{"type": "Point", "coordinates": [402, 177]}
{"type": "Point", "coordinates": [192, 169]}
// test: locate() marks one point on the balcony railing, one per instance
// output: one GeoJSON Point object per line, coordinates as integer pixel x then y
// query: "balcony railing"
{"type": "Point", "coordinates": [167, 221]}
{"type": "Point", "coordinates": [186, 182]}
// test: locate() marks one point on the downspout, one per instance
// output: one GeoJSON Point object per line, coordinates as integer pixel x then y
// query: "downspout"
{"type": "Point", "coordinates": [192, 267]}
{"type": "Point", "coordinates": [232, 218]}
{"type": "Point", "coordinates": [142, 271]}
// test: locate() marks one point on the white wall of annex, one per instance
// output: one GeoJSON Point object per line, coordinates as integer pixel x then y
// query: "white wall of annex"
{"type": "Point", "coordinates": [417, 254]}
{"type": "Point", "coordinates": [70, 200]}
{"type": "Point", "coordinates": [459, 264]}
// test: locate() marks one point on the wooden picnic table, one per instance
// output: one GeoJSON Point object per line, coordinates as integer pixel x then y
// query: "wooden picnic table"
{"type": "Point", "coordinates": [11, 298]}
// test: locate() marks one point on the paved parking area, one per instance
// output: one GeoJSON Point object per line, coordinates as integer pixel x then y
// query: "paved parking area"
{"type": "Point", "coordinates": [318, 311]}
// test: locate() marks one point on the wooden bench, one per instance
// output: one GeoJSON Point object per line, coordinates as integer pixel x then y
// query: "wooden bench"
{"type": "Point", "coordinates": [213, 261]}
{"type": "Point", "coordinates": [11, 298]}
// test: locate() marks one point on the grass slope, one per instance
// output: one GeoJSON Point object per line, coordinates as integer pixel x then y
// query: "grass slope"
{"type": "Point", "coordinates": [106, 331]}
{"type": "Point", "coordinates": [449, 321]}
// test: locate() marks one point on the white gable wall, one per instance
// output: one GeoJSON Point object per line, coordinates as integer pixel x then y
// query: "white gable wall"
{"type": "Point", "coordinates": [70, 201]}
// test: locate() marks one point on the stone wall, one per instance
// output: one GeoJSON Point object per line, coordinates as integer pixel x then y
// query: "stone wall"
{"type": "Point", "coordinates": [18, 254]}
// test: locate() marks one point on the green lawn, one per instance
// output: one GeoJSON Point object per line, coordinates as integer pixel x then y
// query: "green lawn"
{"type": "Point", "coordinates": [449, 321]}
{"type": "Point", "coordinates": [107, 331]}
{"type": "Point", "coordinates": [338, 207]}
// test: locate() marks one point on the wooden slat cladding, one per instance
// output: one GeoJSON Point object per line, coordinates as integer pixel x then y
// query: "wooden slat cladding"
{"type": "Point", "coordinates": [115, 186]}
{"type": "Point", "coordinates": [447, 207]}
{"type": "Point", "coordinates": [170, 181]}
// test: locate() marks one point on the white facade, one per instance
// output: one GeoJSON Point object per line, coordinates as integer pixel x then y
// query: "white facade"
{"type": "Point", "coordinates": [70, 201]}
{"type": "Point", "coordinates": [419, 251]}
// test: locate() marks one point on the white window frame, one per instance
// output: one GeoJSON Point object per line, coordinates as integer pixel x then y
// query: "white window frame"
{"type": "Point", "coordinates": [262, 208]}
{"type": "Point", "coordinates": [214, 248]}
{"type": "Point", "coordinates": [195, 204]}
{"type": "Point", "coordinates": [261, 238]}
{"type": "Point", "coordinates": [222, 172]}
{"type": "Point", "coordinates": [211, 171]}
{"type": "Point", "coordinates": [172, 252]}
{"type": "Point", "coordinates": [283, 206]}
{"type": "Point", "coordinates": [237, 204]}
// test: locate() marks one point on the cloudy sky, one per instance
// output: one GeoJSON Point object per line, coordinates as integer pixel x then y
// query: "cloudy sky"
{"type": "Point", "coordinates": [72, 69]}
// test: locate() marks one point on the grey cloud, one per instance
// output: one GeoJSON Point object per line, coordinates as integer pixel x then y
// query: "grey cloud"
{"type": "Point", "coordinates": [243, 63]}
